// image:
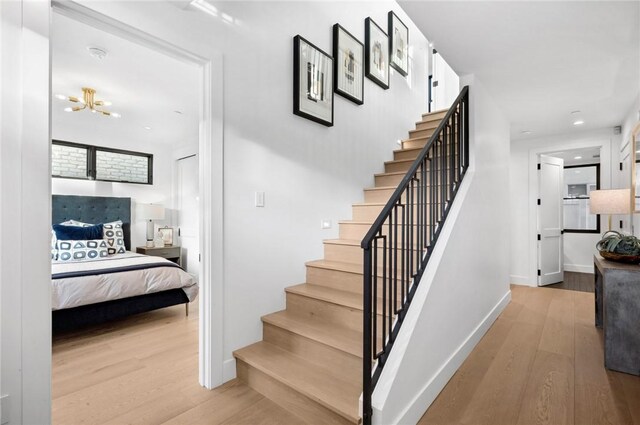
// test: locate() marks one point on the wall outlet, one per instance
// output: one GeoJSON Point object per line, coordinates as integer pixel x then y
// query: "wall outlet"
{"type": "Point", "coordinates": [325, 224]}
{"type": "Point", "coordinates": [4, 408]}
{"type": "Point", "coordinates": [260, 199]}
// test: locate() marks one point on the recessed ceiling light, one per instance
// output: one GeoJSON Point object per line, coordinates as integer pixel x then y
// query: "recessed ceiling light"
{"type": "Point", "coordinates": [147, 127]}
{"type": "Point", "coordinates": [97, 52]}
{"type": "Point", "coordinates": [578, 122]}
{"type": "Point", "coordinates": [577, 157]}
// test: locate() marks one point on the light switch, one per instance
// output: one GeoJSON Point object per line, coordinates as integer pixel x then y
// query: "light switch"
{"type": "Point", "coordinates": [325, 224]}
{"type": "Point", "coordinates": [260, 199]}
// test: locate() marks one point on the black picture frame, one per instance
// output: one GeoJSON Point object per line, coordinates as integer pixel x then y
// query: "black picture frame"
{"type": "Point", "coordinates": [314, 105]}
{"type": "Point", "coordinates": [597, 229]}
{"type": "Point", "coordinates": [350, 70]}
{"type": "Point", "coordinates": [394, 40]}
{"type": "Point", "coordinates": [373, 34]}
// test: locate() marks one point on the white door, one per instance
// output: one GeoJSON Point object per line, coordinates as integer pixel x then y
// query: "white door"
{"type": "Point", "coordinates": [550, 224]}
{"type": "Point", "coordinates": [187, 210]}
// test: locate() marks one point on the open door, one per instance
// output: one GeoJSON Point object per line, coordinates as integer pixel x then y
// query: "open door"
{"type": "Point", "coordinates": [550, 220]}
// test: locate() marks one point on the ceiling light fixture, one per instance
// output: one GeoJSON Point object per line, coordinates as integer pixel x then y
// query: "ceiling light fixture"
{"type": "Point", "coordinates": [88, 101]}
{"type": "Point", "coordinates": [577, 157]}
{"type": "Point", "coordinates": [97, 52]}
{"type": "Point", "coordinates": [577, 118]}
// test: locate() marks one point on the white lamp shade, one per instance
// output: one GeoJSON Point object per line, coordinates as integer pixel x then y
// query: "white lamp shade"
{"type": "Point", "coordinates": [151, 212]}
{"type": "Point", "coordinates": [612, 201]}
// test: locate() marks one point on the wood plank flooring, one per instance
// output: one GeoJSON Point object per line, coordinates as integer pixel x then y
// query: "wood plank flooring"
{"type": "Point", "coordinates": [144, 370]}
{"type": "Point", "coordinates": [576, 282]}
{"type": "Point", "coordinates": [540, 363]}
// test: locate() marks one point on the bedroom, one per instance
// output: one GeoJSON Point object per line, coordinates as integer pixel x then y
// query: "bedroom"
{"type": "Point", "coordinates": [125, 134]}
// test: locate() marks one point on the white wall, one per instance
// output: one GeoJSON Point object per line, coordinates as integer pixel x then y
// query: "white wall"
{"type": "Point", "coordinates": [466, 282]}
{"type": "Point", "coordinates": [308, 172]}
{"type": "Point", "coordinates": [579, 248]}
{"type": "Point", "coordinates": [25, 208]}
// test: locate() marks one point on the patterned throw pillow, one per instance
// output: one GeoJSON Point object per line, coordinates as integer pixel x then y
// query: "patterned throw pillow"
{"type": "Point", "coordinates": [82, 250]}
{"type": "Point", "coordinates": [114, 236]}
{"type": "Point", "coordinates": [76, 223]}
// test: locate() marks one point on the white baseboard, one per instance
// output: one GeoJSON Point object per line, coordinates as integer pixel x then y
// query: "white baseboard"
{"type": "Point", "coordinates": [579, 268]}
{"type": "Point", "coordinates": [423, 400]}
{"type": "Point", "coordinates": [515, 279]}
{"type": "Point", "coordinates": [229, 370]}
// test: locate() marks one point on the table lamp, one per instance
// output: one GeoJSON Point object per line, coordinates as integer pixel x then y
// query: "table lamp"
{"type": "Point", "coordinates": [611, 201]}
{"type": "Point", "coordinates": [151, 212]}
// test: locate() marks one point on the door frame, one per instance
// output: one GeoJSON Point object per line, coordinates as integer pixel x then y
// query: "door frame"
{"type": "Point", "coordinates": [210, 150]}
{"type": "Point", "coordinates": [607, 149]}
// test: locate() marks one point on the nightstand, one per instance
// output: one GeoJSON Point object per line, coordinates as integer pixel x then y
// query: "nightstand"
{"type": "Point", "coordinates": [172, 253]}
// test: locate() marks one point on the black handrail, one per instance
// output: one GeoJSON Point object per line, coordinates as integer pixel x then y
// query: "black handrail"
{"type": "Point", "coordinates": [401, 240]}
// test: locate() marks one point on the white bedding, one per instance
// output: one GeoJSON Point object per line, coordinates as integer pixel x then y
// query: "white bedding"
{"type": "Point", "coordinates": [68, 292]}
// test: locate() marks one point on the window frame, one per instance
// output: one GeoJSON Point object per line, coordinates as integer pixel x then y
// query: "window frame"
{"type": "Point", "coordinates": [92, 165]}
{"type": "Point", "coordinates": [597, 229]}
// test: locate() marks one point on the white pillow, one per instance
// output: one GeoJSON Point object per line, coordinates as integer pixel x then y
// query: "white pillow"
{"type": "Point", "coordinates": [69, 251]}
{"type": "Point", "coordinates": [114, 236]}
{"type": "Point", "coordinates": [54, 239]}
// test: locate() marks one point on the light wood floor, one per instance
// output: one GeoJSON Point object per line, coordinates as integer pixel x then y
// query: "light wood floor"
{"type": "Point", "coordinates": [144, 370]}
{"type": "Point", "coordinates": [540, 363]}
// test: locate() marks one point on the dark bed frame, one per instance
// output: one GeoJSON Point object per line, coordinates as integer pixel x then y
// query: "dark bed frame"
{"type": "Point", "coordinates": [98, 209]}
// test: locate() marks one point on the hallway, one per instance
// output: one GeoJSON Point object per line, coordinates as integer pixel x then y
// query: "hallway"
{"type": "Point", "coordinates": [540, 363]}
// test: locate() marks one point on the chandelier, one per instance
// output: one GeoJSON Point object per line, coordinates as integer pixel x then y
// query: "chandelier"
{"type": "Point", "coordinates": [88, 102]}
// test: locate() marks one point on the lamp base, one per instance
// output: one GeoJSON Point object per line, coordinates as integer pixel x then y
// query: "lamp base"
{"type": "Point", "coordinates": [149, 244]}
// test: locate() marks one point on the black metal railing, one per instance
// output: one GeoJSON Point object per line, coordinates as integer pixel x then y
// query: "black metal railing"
{"type": "Point", "coordinates": [401, 240]}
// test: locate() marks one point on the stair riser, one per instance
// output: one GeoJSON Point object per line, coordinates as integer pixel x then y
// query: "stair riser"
{"type": "Point", "coordinates": [314, 351]}
{"type": "Point", "coordinates": [428, 125]}
{"type": "Point", "coordinates": [336, 279]}
{"type": "Point", "coordinates": [437, 115]}
{"type": "Point", "coordinates": [357, 231]}
{"type": "Point", "coordinates": [410, 154]}
{"type": "Point", "coordinates": [353, 254]}
{"type": "Point", "coordinates": [420, 133]}
{"type": "Point", "coordinates": [327, 312]}
{"type": "Point", "coordinates": [369, 213]}
{"type": "Point", "coordinates": [393, 180]}
{"type": "Point", "coordinates": [383, 196]}
{"type": "Point", "coordinates": [397, 167]}
{"type": "Point", "coordinates": [301, 405]}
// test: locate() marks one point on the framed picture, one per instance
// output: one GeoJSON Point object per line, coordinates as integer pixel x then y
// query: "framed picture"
{"type": "Point", "coordinates": [376, 49]}
{"type": "Point", "coordinates": [348, 65]}
{"type": "Point", "coordinates": [398, 45]}
{"type": "Point", "coordinates": [312, 82]}
{"type": "Point", "coordinates": [167, 235]}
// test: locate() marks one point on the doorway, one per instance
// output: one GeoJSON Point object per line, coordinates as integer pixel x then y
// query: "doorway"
{"type": "Point", "coordinates": [210, 188]}
{"type": "Point", "coordinates": [567, 255]}
{"type": "Point", "coordinates": [187, 212]}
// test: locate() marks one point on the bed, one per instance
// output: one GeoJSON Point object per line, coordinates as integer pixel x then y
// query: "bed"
{"type": "Point", "coordinates": [95, 291]}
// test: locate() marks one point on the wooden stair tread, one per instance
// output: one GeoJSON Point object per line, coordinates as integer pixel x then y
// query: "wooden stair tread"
{"type": "Point", "coordinates": [394, 173]}
{"type": "Point", "coordinates": [350, 242]}
{"type": "Point", "coordinates": [327, 294]}
{"type": "Point", "coordinates": [429, 114]}
{"type": "Point", "coordinates": [336, 265]}
{"type": "Point", "coordinates": [342, 338]}
{"type": "Point", "coordinates": [339, 394]}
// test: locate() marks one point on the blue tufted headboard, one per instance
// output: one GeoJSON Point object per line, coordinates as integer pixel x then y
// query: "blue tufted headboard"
{"type": "Point", "coordinates": [93, 209]}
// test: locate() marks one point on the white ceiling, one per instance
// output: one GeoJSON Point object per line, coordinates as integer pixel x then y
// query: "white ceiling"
{"type": "Point", "coordinates": [145, 87]}
{"type": "Point", "coordinates": [542, 60]}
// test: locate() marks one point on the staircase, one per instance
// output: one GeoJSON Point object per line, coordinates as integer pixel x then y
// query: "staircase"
{"type": "Point", "coordinates": [310, 360]}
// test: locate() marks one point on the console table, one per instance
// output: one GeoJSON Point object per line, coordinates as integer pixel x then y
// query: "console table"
{"type": "Point", "coordinates": [617, 311]}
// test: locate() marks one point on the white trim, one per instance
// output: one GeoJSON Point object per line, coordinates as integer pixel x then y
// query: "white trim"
{"type": "Point", "coordinates": [211, 337]}
{"type": "Point", "coordinates": [229, 369]}
{"type": "Point", "coordinates": [579, 268]}
{"type": "Point", "coordinates": [515, 279]}
{"type": "Point", "coordinates": [428, 394]}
